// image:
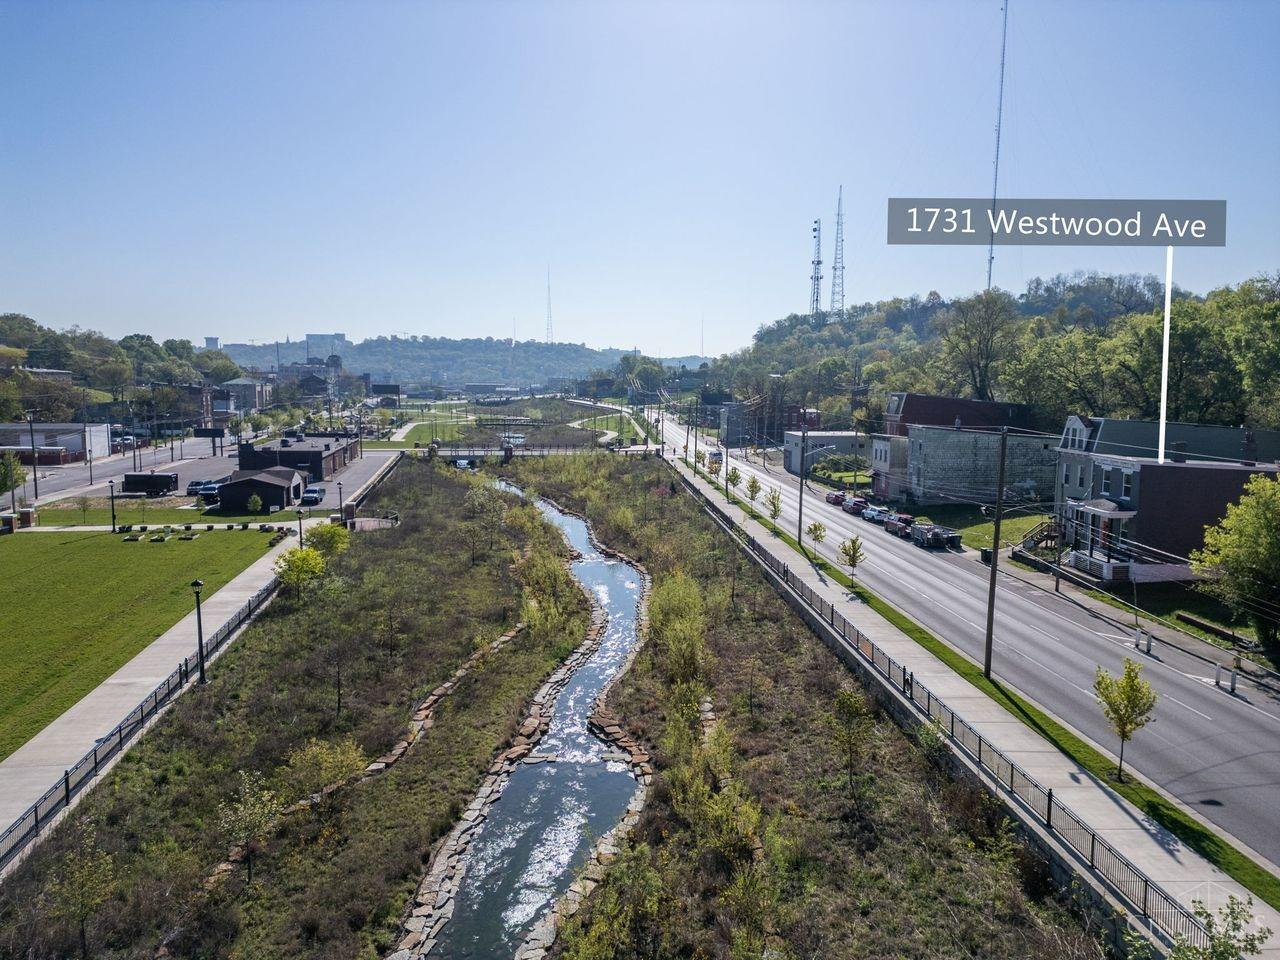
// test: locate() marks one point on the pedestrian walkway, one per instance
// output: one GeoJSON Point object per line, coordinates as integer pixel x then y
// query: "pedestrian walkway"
{"type": "Point", "coordinates": [28, 772]}
{"type": "Point", "coordinates": [402, 433]}
{"type": "Point", "coordinates": [1183, 873]}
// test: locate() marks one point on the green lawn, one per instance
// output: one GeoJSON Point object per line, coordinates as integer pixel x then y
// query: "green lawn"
{"type": "Point", "coordinates": [976, 529]}
{"type": "Point", "coordinates": [79, 605]}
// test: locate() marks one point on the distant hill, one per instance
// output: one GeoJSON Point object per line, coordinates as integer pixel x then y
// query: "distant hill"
{"type": "Point", "coordinates": [449, 361]}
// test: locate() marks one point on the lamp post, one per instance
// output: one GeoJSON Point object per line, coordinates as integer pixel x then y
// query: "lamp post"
{"type": "Point", "coordinates": [804, 455]}
{"type": "Point", "coordinates": [341, 501]}
{"type": "Point", "coordinates": [111, 486]}
{"type": "Point", "coordinates": [35, 456]}
{"type": "Point", "coordinates": [301, 514]}
{"type": "Point", "coordinates": [196, 586]}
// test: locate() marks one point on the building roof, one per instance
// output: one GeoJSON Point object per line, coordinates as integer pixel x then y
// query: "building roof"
{"type": "Point", "coordinates": [931, 410]}
{"type": "Point", "coordinates": [242, 382]}
{"type": "Point", "coordinates": [277, 476]}
{"type": "Point", "coordinates": [308, 444]}
{"type": "Point", "coordinates": [1140, 438]}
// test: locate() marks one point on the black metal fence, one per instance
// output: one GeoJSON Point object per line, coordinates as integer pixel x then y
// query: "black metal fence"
{"type": "Point", "coordinates": [1143, 895]}
{"type": "Point", "coordinates": [19, 834]}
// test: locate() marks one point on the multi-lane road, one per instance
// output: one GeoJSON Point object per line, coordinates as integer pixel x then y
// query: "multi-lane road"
{"type": "Point", "coordinates": [1217, 753]}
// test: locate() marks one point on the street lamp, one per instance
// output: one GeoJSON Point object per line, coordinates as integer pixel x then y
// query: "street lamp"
{"type": "Point", "coordinates": [111, 484]}
{"type": "Point", "coordinates": [341, 501]}
{"type": "Point", "coordinates": [196, 586]}
{"type": "Point", "coordinates": [301, 514]}
{"type": "Point", "coordinates": [35, 457]}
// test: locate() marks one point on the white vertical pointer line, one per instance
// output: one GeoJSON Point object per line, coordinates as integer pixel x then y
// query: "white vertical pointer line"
{"type": "Point", "coordinates": [1164, 365]}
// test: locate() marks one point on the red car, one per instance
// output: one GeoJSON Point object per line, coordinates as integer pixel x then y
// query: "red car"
{"type": "Point", "coordinates": [835, 497]}
{"type": "Point", "coordinates": [854, 505]}
{"type": "Point", "coordinates": [899, 524]}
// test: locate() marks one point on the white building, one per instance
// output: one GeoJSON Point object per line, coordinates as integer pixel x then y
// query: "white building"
{"type": "Point", "coordinates": [56, 441]}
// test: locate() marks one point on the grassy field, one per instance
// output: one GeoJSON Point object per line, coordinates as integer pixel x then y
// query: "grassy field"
{"type": "Point", "coordinates": [158, 512]}
{"type": "Point", "coordinates": [772, 837]}
{"type": "Point", "coordinates": [393, 618]}
{"type": "Point", "coordinates": [79, 605]}
{"type": "Point", "coordinates": [976, 528]}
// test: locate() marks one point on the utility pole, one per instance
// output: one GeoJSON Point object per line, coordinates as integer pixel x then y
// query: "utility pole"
{"type": "Point", "coordinates": [549, 303]}
{"type": "Point", "coordinates": [837, 261]}
{"type": "Point", "coordinates": [804, 453]}
{"type": "Point", "coordinates": [995, 554]}
{"type": "Point", "coordinates": [815, 278]}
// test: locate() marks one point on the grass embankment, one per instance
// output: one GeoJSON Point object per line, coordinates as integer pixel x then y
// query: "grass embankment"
{"type": "Point", "coordinates": [77, 606]}
{"type": "Point", "coordinates": [136, 511]}
{"type": "Point", "coordinates": [781, 833]}
{"type": "Point", "coordinates": [1218, 851]}
{"type": "Point", "coordinates": [395, 616]}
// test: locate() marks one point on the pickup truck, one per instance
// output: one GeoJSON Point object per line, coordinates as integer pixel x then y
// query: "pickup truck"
{"type": "Point", "coordinates": [312, 496]}
{"type": "Point", "coordinates": [899, 524]}
{"type": "Point", "coordinates": [836, 497]}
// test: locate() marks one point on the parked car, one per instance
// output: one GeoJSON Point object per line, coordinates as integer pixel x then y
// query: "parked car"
{"type": "Point", "coordinates": [312, 496]}
{"type": "Point", "coordinates": [854, 505]}
{"type": "Point", "coordinates": [209, 492]}
{"type": "Point", "coordinates": [193, 488]}
{"type": "Point", "coordinates": [875, 514]}
{"type": "Point", "coordinates": [836, 497]}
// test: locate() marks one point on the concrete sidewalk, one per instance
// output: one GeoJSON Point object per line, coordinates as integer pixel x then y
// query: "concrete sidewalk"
{"type": "Point", "coordinates": [1183, 873]}
{"type": "Point", "coordinates": [34, 767]}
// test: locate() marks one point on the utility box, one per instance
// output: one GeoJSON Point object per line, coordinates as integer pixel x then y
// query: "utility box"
{"type": "Point", "coordinates": [26, 516]}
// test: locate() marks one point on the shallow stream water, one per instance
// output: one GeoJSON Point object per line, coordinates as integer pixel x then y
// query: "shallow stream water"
{"type": "Point", "coordinates": [540, 830]}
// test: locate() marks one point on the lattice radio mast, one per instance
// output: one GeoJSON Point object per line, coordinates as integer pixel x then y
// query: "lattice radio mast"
{"type": "Point", "coordinates": [837, 261]}
{"type": "Point", "coordinates": [815, 278]}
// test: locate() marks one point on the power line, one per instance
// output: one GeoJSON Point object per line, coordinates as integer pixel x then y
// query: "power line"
{"type": "Point", "coordinates": [995, 177]}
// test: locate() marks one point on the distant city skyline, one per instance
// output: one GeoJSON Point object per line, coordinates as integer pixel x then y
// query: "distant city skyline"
{"type": "Point", "coordinates": [256, 171]}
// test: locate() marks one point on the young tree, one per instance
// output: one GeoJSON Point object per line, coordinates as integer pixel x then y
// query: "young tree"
{"type": "Point", "coordinates": [254, 504]}
{"type": "Point", "coordinates": [816, 531]}
{"type": "Point", "coordinates": [773, 500]}
{"type": "Point", "coordinates": [1241, 558]}
{"type": "Point", "coordinates": [852, 554]}
{"type": "Point", "coordinates": [82, 504]}
{"type": "Point", "coordinates": [318, 764]}
{"type": "Point", "coordinates": [733, 477]}
{"type": "Point", "coordinates": [298, 567]}
{"type": "Point", "coordinates": [699, 457]}
{"type": "Point", "coordinates": [328, 539]}
{"type": "Point", "coordinates": [246, 820]}
{"type": "Point", "coordinates": [1127, 702]}
{"type": "Point", "coordinates": [1228, 939]}
{"type": "Point", "coordinates": [12, 475]}
{"type": "Point", "coordinates": [849, 722]}
{"type": "Point", "coordinates": [753, 488]}
{"type": "Point", "coordinates": [82, 886]}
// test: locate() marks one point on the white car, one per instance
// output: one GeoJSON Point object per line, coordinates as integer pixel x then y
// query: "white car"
{"type": "Point", "coordinates": [875, 514]}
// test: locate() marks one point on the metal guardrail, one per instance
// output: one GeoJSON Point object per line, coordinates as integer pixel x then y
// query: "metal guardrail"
{"type": "Point", "coordinates": [1145, 897]}
{"type": "Point", "coordinates": [24, 830]}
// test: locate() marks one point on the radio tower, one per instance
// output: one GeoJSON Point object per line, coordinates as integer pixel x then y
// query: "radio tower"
{"type": "Point", "coordinates": [548, 303]}
{"type": "Point", "coordinates": [837, 262]}
{"type": "Point", "coordinates": [815, 293]}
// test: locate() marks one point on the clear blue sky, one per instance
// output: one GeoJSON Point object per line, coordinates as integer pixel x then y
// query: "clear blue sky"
{"type": "Point", "coordinates": [256, 170]}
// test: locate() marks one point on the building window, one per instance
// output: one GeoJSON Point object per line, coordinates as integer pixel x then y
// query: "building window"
{"type": "Point", "coordinates": [1106, 483]}
{"type": "Point", "coordinates": [1080, 476]}
{"type": "Point", "coordinates": [1066, 475]}
{"type": "Point", "coordinates": [1126, 485]}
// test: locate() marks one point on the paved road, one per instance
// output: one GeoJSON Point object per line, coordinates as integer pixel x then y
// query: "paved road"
{"type": "Point", "coordinates": [72, 480]}
{"type": "Point", "coordinates": [1218, 754]}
